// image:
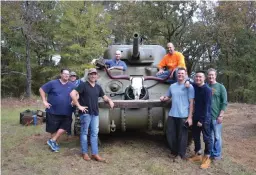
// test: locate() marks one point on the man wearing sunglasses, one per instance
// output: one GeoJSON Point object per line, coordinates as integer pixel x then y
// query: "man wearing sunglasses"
{"type": "Point", "coordinates": [58, 107]}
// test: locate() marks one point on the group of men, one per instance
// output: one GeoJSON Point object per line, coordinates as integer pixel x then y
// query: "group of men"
{"type": "Point", "coordinates": [198, 104]}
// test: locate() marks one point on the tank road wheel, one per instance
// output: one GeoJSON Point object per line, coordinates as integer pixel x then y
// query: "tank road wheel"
{"type": "Point", "coordinates": [104, 123]}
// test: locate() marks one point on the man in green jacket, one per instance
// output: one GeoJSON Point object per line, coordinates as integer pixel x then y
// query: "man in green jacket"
{"type": "Point", "coordinates": [219, 104]}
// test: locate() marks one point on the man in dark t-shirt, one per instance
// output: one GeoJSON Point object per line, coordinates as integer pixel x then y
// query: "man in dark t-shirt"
{"type": "Point", "coordinates": [202, 120]}
{"type": "Point", "coordinates": [58, 107]}
{"type": "Point", "coordinates": [87, 104]}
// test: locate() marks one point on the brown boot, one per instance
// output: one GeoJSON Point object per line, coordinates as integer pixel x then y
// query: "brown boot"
{"type": "Point", "coordinates": [206, 162]}
{"type": "Point", "coordinates": [86, 157]}
{"type": "Point", "coordinates": [195, 158]}
{"type": "Point", "coordinates": [98, 158]}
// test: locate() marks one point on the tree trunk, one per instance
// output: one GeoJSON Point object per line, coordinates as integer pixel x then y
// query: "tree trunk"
{"type": "Point", "coordinates": [28, 68]}
{"type": "Point", "coordinates": [28, 65]}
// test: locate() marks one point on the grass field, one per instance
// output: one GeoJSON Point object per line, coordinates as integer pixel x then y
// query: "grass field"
{"type": "Point", "coordinates": [24, 149]}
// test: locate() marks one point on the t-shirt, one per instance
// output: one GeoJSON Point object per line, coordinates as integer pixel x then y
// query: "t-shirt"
{"type": "Point", "coordinates": [180, 99]}
{"type": "Point", "coordinates": [59, 97]}
{"type": "Point", "coordinates": [172, 61]}
{"type": "Point", "coordinates": [113, 63]}
{"type": "Point", "coordinates": [203, 99]}
{"type": "Point", "coordinates": [88, 96]}
{"type": "Point", "coordinates": [76, 82]}
{"type": "Point", "coordinates": [219, 99]}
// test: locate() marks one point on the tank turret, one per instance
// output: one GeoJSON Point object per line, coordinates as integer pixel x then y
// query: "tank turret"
{"type": "Point", "coordinates": [137, 54]}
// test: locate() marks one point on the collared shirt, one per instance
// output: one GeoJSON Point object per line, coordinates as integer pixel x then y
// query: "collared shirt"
{"type": "Point", "coordinates": [114, 62]}
{"type": "Point", "coordinates": [180, 99]}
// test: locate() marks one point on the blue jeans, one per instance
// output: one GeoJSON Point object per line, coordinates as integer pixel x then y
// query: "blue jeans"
{"type": "Point", "coordinates": [216, 139]}
{"type": "Point", "coordinates": [169, 80]}
{"type": "Point", "coordinates": [91, 121]}
{"type": "Point", "coordinates": [206, 131]}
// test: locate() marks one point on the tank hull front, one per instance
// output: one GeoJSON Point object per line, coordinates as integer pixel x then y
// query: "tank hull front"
{"type": "Point", "coordinates": [133, 115]}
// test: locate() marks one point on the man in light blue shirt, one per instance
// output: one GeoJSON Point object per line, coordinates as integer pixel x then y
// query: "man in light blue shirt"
{"type": "Point", "coordinates": [180, 115]}
{"type": "Point", "coordinates": [116, 63]}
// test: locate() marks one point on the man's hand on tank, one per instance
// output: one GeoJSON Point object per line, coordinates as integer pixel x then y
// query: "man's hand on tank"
{"type": "Point", "coordinates": [111, 104]}
{"type": "Point", "coordinates": [47, 105]}
{"type": "Point", "coordinates": [160, 72]}
{"type": "Point", "coordinates": [83, 108]}
{"type": "Point", "coordinates": [111, 68]}
{"type": "Point", "coordinates": [163, 98]}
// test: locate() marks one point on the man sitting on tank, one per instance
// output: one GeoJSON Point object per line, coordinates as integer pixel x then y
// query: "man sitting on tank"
{"type": "Point", "coordinates": [116, 63]}
{"type": "Point", "coordinates": [172, 60]}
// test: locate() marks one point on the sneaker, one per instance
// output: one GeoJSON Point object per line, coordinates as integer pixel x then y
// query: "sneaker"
{"type": "Point", "coordinates": [57, 147]}
{"type": "Point", "coordinates": [195, 158]}
{"type": "Point", "coordinates": [53, 145]}
{"type": "Point", "coordinates": [206, 162]}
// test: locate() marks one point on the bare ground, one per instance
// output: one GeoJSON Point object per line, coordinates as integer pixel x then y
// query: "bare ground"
{"type": "Point", "coordinates": [24, 149]}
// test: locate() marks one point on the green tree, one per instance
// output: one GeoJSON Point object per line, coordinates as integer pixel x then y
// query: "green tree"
{"type": "Point", "coordinates": [26, 42]}
{"type": "Point", "coordinates": [83, 32]}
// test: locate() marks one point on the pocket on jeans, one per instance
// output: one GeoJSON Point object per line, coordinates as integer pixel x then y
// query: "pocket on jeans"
{"type": "Point", "coordinates": [82, 119]}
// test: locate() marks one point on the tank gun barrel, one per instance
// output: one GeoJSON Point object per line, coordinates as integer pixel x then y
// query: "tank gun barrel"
{"type": "Point", "coordinates": [136, 52]}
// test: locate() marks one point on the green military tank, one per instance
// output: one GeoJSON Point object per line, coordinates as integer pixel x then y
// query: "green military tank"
{"type": "Point", "coordinates": [135, 92]}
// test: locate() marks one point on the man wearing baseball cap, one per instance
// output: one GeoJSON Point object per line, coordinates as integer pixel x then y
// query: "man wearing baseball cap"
{"type": "Point", "coordinates": [87, 104]}
{"type": "Point", "coordinates": [74, 78]}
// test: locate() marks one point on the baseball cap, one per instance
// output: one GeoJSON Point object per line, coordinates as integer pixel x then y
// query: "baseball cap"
{"type": "Point", "coordinates": [92, 70]}
{"type": "Point", "coordinates": [72, 73]}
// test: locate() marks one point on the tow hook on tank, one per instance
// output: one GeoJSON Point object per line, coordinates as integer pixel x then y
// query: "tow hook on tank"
{"type": "Point", "coordinates": [160, 124]}
{"type": "Point", "coordinates": [112, 126]}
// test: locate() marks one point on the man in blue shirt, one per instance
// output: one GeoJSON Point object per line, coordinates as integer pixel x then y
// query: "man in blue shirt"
{"type": "Point", "coordinates": [116, 63]}
{"type": "Point", "coordinates": [180, 115]}
{"type": "Point", "coordinates": [58, 107]}
{"type": "Point", "coordinates": [202, 120]}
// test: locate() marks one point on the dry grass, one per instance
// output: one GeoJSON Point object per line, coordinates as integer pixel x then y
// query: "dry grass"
{"type": "Point", "coordinates": [24, 150]}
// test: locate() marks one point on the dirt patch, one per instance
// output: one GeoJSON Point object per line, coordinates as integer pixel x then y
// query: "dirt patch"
{"type": "Point", "coordinates": [239, 134]}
